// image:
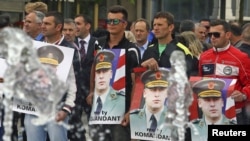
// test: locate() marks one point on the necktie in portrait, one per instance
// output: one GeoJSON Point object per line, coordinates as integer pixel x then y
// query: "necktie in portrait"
{"type": "Point", "coordinates": [153, 125]}
{"type": "Point", "coordinates": [99, 106]}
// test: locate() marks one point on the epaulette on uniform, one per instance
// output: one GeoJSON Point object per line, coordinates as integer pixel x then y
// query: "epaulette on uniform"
{"type": "Point", "coordinates": [122, 93]}
{"type": "Point", "coordinates": [151, 45]}
{"type": "Point", "coordinates": [135, 111]}
{"type": "Point", "coordinates": [232, 122]}
{"type": "Point", "coordinates": [196, 121]}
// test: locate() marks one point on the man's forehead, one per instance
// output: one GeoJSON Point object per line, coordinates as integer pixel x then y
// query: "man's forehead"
{"type": "Point", "coordinates": [79, 19]}
{"type": "Point", "coordinates": [49, 18]}
{"type": "Point", "coordinates": [201, 28]}
{"type": "Point", "coordinates": [69, 25]}
{"type": "Point", "coordinates": [205, 22]}
{"type": "Point", "coordinates": [31, 15]}
{"type": "Point", "coordinates": [115, 15]}
{"type": "Point", "coordinates": [216, 28]}
{"type": "Point", "coordinates": [160, 20]}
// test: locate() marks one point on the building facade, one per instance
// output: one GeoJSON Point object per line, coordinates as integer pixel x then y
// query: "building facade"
{"type": "Point", "coordinates": [97, 9]}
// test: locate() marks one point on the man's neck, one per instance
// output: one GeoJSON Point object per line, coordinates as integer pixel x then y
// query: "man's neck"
{"type": "Point", "coordinates": [235, 41]}
{"type": "Point", "coordinates": [53, 39]}
{"type": "Point", "coordinates": [115, 39]}
{"type": "Point", "coordinates": [101, 92]}
{"type": "Point", "coordinates": [214, 119]}
{"type": "Point", "coordinates": [166, 40]}
{"type": "Point", "coordinates": [139, 44]}
{"type": "Point", "coordinates": [84, 36]}
{"type": "Point", "coordinates": [34, 35]}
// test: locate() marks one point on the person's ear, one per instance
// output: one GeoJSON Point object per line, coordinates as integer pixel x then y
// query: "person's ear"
{"type": "Point", "coordinates": [144, 93]}
{"type": "Point", "coordinates": [199, 102]}
{"type": "Point", "coordinates": [59, 27]}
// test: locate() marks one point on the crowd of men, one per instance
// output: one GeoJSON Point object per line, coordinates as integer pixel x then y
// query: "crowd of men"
{"type": "Point", "coordinates": [216, 48]}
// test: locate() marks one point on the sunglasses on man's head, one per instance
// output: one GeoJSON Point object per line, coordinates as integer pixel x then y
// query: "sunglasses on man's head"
{"type": "Point", "coordinates": [215, 34]}
{"type": "Point", "coordinates": [114, 21]}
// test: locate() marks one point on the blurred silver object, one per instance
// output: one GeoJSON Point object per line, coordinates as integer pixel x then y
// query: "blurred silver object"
{"type": "Point", "coordinates": [27, 79]}
{"type": "Point", "coordinates": [179, 97]}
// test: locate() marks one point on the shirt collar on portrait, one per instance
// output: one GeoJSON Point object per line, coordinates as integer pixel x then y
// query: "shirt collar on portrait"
{"type": "Point", "coordinates": [216, 123]}
{"type": "Point", "coordinates": [157, 115]}
{"type": "Point", "coordinates": [102, 96]}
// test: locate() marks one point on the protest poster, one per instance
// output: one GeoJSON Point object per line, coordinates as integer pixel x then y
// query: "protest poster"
{"type": "Point", "coordinates": [65, 57]}
{"type": "Point", "coordinates": [148, 108]}
{"type": "Point", "coordinates": [109, 94]}
{"type": "Point", "coordinates": [212, 105]}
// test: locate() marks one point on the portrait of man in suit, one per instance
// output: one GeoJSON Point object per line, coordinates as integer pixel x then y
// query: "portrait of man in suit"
{"type": "Point", "coordinates": [108, 104]}
{"type": "Point", "coordinates": [147, 123]}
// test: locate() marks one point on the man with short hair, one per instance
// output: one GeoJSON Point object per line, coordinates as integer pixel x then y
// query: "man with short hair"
{"type": "Point", "coordinates": [245, 46]}
{"type": "Point", "coordinates": [33, 25]}
{"type": "Point", "coordinates": [141, 32]}
{"type": "Point", "coordinates": [206, 24]}
{"type": "Point", "coordinates": [69, 30]}
{"type": "Point", "coordinates": [235, 39]}
{"type": "Point", "coordinates": [52, 30]}
{"type": "Point", "coordinates": [186, 25]}
{"type": "Point", "coordinates": [158, 54]}
{"type": "Point", "coordinates": [86, 45]}
{"type": "Point", "coordinates": [226, 61]}
{"type": "Point", "coordinates": [200, 32]}
{"type": "Point", "coordinates": [116, 24]}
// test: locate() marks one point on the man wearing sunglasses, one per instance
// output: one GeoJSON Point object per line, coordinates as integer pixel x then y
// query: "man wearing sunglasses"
{"type": "Point", "coordinates": [225, 61]}
{"type": "Point", "coordinates": [116, 24]}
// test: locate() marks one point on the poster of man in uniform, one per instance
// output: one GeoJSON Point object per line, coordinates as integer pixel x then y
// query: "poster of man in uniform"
{"type": "Point", "coordinates": [212, 105]}
{"type": "Point", "coordinates": [148, 108]}
{"type": "Point", "coordinates": [109, 92]}
{"type": "Point", "coordinates": [57, 57]}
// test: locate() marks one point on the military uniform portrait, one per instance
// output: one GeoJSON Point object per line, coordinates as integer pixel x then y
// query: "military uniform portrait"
{"type": "Point", "coordinates": [147, 123]}
{"type": "Point", "coordinates": [211, 103]}
{"type": "Point", "coordinates": [51, 57]}
{"type": "Point", "coordinates": [108, 103]}
{"type": "Point", "coordinates": [55, 56]}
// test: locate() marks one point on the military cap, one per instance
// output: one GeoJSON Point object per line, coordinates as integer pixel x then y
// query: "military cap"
{"type": "Point", "coordinates": [104, 59]}
{"type": "Point", "coordinates": [208, 88]}
{"type": "Point", "coordinates": [50, 55]}
{"type": "Point", "coordinates": [157, 78]}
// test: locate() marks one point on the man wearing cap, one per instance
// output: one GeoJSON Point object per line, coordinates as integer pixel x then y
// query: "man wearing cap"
{"type": "Point", "coordinates": [107, 101]}
{"type": "Point", "coordinates": [210, 101]}
{"type": "Point", "coordinates": [151, 118]}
